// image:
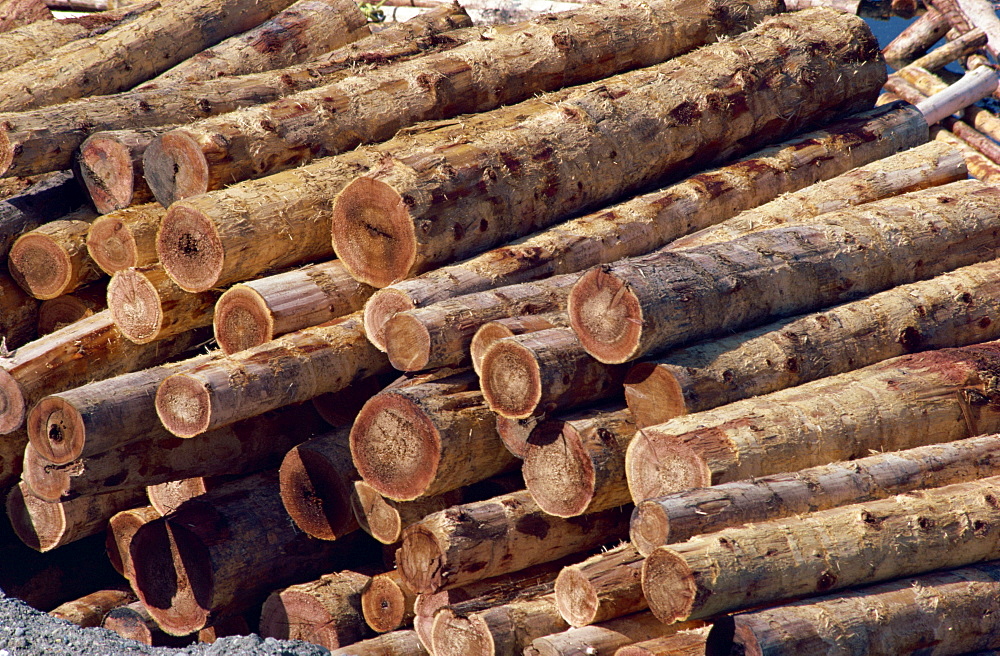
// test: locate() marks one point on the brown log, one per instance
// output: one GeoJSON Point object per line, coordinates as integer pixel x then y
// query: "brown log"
{"type": "Point", "coordinates": [909, 401]}
{"type": "Point", "coordinates": [11, 459]}
{"type": "Point", "coordinates": [863, 543]}
{"type": "Point", "coordinates": [501, 535]}
{"type": "Point", "coordinates": [44, 526]}
{"type": "Point", "coordinates": [45, 139]}
{"type": "Point", "coordinates": [44, 201]}
{"type": "Point", "coordinates": [14, 13]}
{"type": "Point", "coordinates": [325, 612]}
{"type": "Point", "coordinates": [125, 238]}
{"type": "Point", "coordinates": [134, 622]}
{"type": "Point", "coordinates": [168, 497]}
{"type": "Point", "coordinates": [147, 306]}
{"type": "Point", "coordinates": [603, 587]}
{"type": "Point", "coordinates": [340, 408]}
{"type": "Point", "coordinates": [623, 311]}
{"type": "Point", "coordinates": [493, 331]}
{"type": "Point", "coordinates": [980, 167]}
{"type": "Point", "coordinates": [901, 617]}
{"type": "Point", "coordinates": [426, 439]}
{"type": "Point", "coordinates": [149, 45]}
{"type": "Point", "coordinates": [85, 5]}
{"type": "Point", "coordinates": [385, 519]}
{"type": "Point", "coordinates": [61, 311]}
{"type": "Point", "coordinates": [88, 350]}
{"type": "Point", "coordinates": [52, 259]}
{"type": "Point", "coordinates": [919, 37]}
{"type": "Point", "coordinates": [682, 643]}
{"type": "Point", "coordinates": [959, 48]}
{"type": "Point", "coordinates": [234, 625]}
{"type": "Point", "coordinates": [602, 639]}
{"type": "Point", "coordinates": [676, 517]}
{"type": "Point", "coordinates": [293, 368]}
{"type": "Point", "coordinates": [953, 309]}
{"type": "Point", "coordinates": [397, 643]}
{"type": "Point", "coordinates": [121, 527]}
{"type": "Point", "coordinates": [335, 118]}
{"type": "Point", "coordinates": [652, 220]}
{"type": "Point", "coordinates": [387, 602]}
{"type": "Point", "coordinates": [205, 560]}
{"type": "Point", "coordinates": [300, 32]}
{"type": "Point", "coordinates": [515, 433]}
{"type": "Point", "coordinates": [257, 311]}
{"type": "Point", "coordinates": [111, 167]}
{"type": "Point", "coordinates": [18, 313]}
{"type": "Point", "coordinates": [402, 248]}
{"type": "Point", "coordinates": [89, 610]}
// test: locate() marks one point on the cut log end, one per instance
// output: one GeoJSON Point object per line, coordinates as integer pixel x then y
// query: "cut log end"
{"type": "Point", "coordinates": [175, 167]}
{"type": "Point", "coordinates": [380, 308]}
{"type": "Point", "coordinates": [373, 232]}
{"type": "Point", "coordinates": [383, 604]}
{"type": "Point", "coordinates": [314, 495]}
{"type": "Point", "coordinates": [56, 430]}
{"type": "Point", "coordinates": [515, 433]}
{"type": "Point", "coordinates": [606, 316]}
{"type": "Point", "coordinates": [375, 515]}
{"type": "Point", "coordinates": [111, 244]}
{"type": "Point", "coordinates": [45, 480]}
{"type": "Point", "coordinates": [656, 467]}
{"type": "Point", "coordinates": [106, 169]}
{"type": "Point", "coordinates": [558, 471]}
{"type": "Point", "coordinates": [419, 561]}
{"type": "Point", "coordinates": [668, 585]}
{"type": "Point", "coordinates": [38, 524]}
{"type": "Point", "coordinates": [129, 624]}
{"type": "Point", "coordinates": [190, 249]}
{"type": "Point", "coordinates": [395, 447]}
{"type": "Point", "coordinates": [576, 597]}
{"type": "Point", "coordinates": [407, 343]}
{"type": "Point", "coordinates": [12, 403]}
{"type": "Point", "coordinates": [40, 266]}
{"type": "Point", "coordinates": [135, 306]}
{"type": "Point", "coordinates": [511, 380]}
{"type": "Point", "coordinates": [242, 320]}
{"type": "Point", "coordinates": [454, 635]}
{"type": "Point", "coordinates": [653, 394]}
{"type": "Point", "coordinates": [487, 335]}
{"type": "Point", "coordinates": [650, 527]}
{"type": "Point", "coordinates": [184, 406]}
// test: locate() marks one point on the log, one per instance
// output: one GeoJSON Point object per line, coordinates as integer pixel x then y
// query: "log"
{"type": "Point", "coordinates": [149, 45]}
{"type": "Point", "coordinates": [45, 139]}
{"type": "Point", "coordinates": [676, 517]}
{"type": "Point", "coordinates": [397, 198]}
{"type": "Point", "coordinates": [980, 167]}
{"type": "Point", "coordinates": [682, 643]}
{"type": "Point", "coordinates": [909, 534]}
{"type": "Point", "coordinates": [44, 526]}
{"type": "Point", "coordinates": [18, 313]}
{"type": "Point", "coordinates": [88, 350]}
{"type": "Point", "coordinates": [385, 519]}
{"type": "Point", "coordinates": [891, 618]}
{"type": "Point", "coordinates": [916, 84]}
{"type": "Point", "coordinates": [300, 32]}
{"type": "Point", "coordinates": [45, 200]}
{"type": "Point", "coordinates": [397, 643]}
{"type": "Point", "coordinates": [945, 54]}
{"type": "Point", "coordinates": [493, 331]}
{"type": "Point", "coordinates": [191, 567]}
{"type": "Point", "coordinates": [919, 37]}
{"type": "Point", "coordinates": [953, 309]}
{"type": "Point", "coordinates": [134, 622]}
{"type": "Point", "coordinates": [982, 15]}
{"type": "Point", "coordinates": [660, 217]}
{"type": "Point", "coordinates": [623, 311]}
{"type": "Point", "coordinates": [125, 238]}
{"type": "Point", "coordinates": [426, 439]}
{"type": "Point", "coordinates": [11, 459]}
{"type": "Point", "coordinates": [111, 167]}
{"type": "Point", "coordinates": [52, 259]}
{"type": "Point", "coordinates": [168, 497]}
{"type": "Point", "coordinates": [601, 640]}
{"type": "Point", "coordinates": [505, 534]}
{"type": "Point", "coordinates": [340, 408]}
{"type": "Point", "coordinates": [235, 625]}
{"type": "Point", "coordinates": [84, 5]}
{"type": "Point", "coordinates": [515, 433]}
{"type": "Point", "coordinates": [147, 306]}
{"type": "Point", "coordinates": [970, 89]}
{"type": "Point", "coordinates": [325, 612]}
{"type": "Point", "coordinates": [335, 118]}
{"type": "Point", "coordinates": [252, 313]}
{"type": "Point", "coordinates": [909, 401]}
{"type": "Point", "coordinates": [293, 368]}
{"type": "Point", "coordinates": [121, 527]}
{"type": "Point", "coordinates": [387, 603]}
{"type": "Point", "coordinates": [14, 13]}
{"type": "Point", "coordinates": [61, 311]}
{"type": "Point", "coordinates": [602, 587]}
{"type": "Point", "coordinates": [89, 610]}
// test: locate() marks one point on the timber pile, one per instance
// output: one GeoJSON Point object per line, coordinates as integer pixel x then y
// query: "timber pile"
{"type": "Point", "coordinates": [513, 415]}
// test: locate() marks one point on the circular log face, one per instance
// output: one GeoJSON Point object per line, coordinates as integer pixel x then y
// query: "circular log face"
{"type": "Point", "coordinates": [242, 320]}
{"type": "Point", "coordinates": [380, 308]}
{"type": "Point", "coordinates": [190, 249]}
{"type": "Point", "coordinates": [40, 266]}
{"type": "Point", "coordinates": [135, 306]}
{"type": "Point", "coordinates": [106, 168]}
{"type": "Point", "coordinates": [606, 316]}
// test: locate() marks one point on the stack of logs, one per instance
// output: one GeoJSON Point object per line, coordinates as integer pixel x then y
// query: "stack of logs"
{"type": "Point", "coordinates": [652, 340]}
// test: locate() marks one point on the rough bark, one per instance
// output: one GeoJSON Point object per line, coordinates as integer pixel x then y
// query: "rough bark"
{"type": "Point", "coordinates": [919, 37]}
{"type": "Point", "coordinates": [981, 14]}
{"type": "Point", "coordinates": [385, 519]}
{"type": "Point", "coordinates": [387, 602]}
{"type": "Point", "coordinates": [293, 368]}
{"type": "Point", "coordinates": [682, 643]}
{"type": "Point", "coordinates": [168, 497]}
{"type": "Point", "coordinates": [545, 54]}
{"type": "Point", "coordinates": [125, 238]}
{"type": "Point", "coordinates": [325, 612]}
{"type": "Point", "coordinates": [90, 609]}
{"type": "Point", "coordinates": [15, 13]}
{"type": "Point", "coordinates": [918, 532]}
{"type": "Point", "coordinates": [147, 306]}
{"type": "Point", "coordinates": [111, 167]}
{"type": "Point", "coordinates": [914, 400]}
{"type": "Point", "coordinates": [603, 587]}
{"type": "Point", "coordinates": [426, 439]}
{"type": "Point", "coordinates": [652, 220]}
{"type": "Point", "coordinates": [134, 622]}
{"type": "Point", "coordinates": [44, 201]}
{"type": "Point", "coordinates": [19, 313]}
{"type": "Point", "coordinates": [121, 527]}
{"type": "Point", "coordinates": [397, 643]}
{"type": "Point", "coordinates": [603, 639]}
{"type": "Point", "coordinates": [676, 517]}
{"type": "Point", "coordinates": [479, 540]}
{"type": "Point", "coordinates": [257, 311]}
{"type": "Point", "coordinates": [493, 331]}
{"type": "Point", "coordinates": [390, 223]}
{"type": "Point", "coordinates": [638, 306]}
{"type": "Point", "coordinates": [953, 309]}
{"type": "Point", "coordinates": [61, 311]}
{"type": "Point", "coordinates": [11, 459]}
{"type": "Point", "coordinates": [52, 259]}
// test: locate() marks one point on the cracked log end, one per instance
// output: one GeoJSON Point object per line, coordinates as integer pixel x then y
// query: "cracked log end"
{"type": "Point", "coordinates": [175, 167]}
{"type": "Point", "coordinates": [376, 516]}
{"type": "Point", "coordinates": [558, 471]}
{"type": "Point", "coordinates": [56, 430]}
{"type": "Point", "coordinates": [40, 266]}
{"type": "Point", "coordinates": [384, 604]}
{"type": "Point", "coordinates": [606, 316]}
{"type": "Point", "coordinates": [576, 597]}
{"type": "Point", "coordinates": [315, 495]}
{"type": "Point", "coordinates": [189, 247]}
{"type": "Point", "coordinates": [373, 233]}
{"type": "Point", "coordinates": [184, 406]}
{"type": "Point", "coordinates": [242, 320]}
{"type": "Point", "coordinates": [419, 560]}
{"type": "Point", "coordinates": [668, 585]}
{"type": "Point", "coordinates": [111, 244]}
{"type": "Point", "coordinates": [656, 466]}
{"type": "Point", "coordinates": [45, 480]}
{"type": "Point", "coordinates": [454, 635]}
{"type": "Point", "coordinates": [135, 306]}
{"type": "Point", "coordinates": [106, 169]}
{"type": "Point", "coordinates": [649, 528]}
{"type": "Point", "coordinates": [407, 343]}
{"type": "Point", "coordinates": [511, 380]}
{"type": "Point", "coordinates": [380, 308]}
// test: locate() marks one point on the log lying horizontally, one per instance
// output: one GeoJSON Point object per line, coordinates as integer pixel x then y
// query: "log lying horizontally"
{"type": "Point", "coordinates": [387, 602]}
{"type": "Point", "coordinates": [121, 527]}
{"type": "Point", "coordinates": [90, 609]}
{"type": "Point", "coordinates": [397, 643]}
{"type": "Point", "coordinates": [61, 311]}
{"type": "Point", "coordinates": [111, 167]}
{"type": "Point", "coordinates": [148, 306]}
{"type": "Point", "coordinates": [602, 587]}
{"type": "Point", "coordinates": [683, 643]}
{"type": "Point", "coordinates": [18, 313]}
{"type": "Point", "coordinates": [14, 13]}
{"type": "Point", "coordinates": [325, 612]}
{"type": "Point", "coordinates": [385, 519]}
{"type": "Point", "coordinates": [493, 331]}
{"type": "Point", "coordinates": [52, 259]}
{"type": "Point", "coordinates": [125, 238]}
{"type": "Point", "coordinates": [603, 639]}
{"type": "Point", "coordinates": [916, 39]}
{"type": "Point", "coordinates": [134, 622]}
{"type": "Point", "coordinates": [47, 199]}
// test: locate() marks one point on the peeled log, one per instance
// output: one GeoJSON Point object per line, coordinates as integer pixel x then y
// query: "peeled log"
{"type": "Point", "coordinates": [121, 527]}
{"type": "Point", "coordinates": [602, 639]}
{"type": "Point", "coordinates": [397, 643]}
{"type": "Point", "coordinates": [916, 39]}
{"type": "Point", "coordinates": [493, 331]}
{"type": "Point", "coordinates": [603, 587]}
{"type": "Point", "coordinates": [504, 534]}
{"type": "Point", "coordinates": [125, 238]}
{"type": "Point", "coordinates": [168, 497]}
{"type": "Point", "coordinates": [61, 311]}
{"type": "Point", "coordinates": [387, 602]}
{"type": "Point", "coordinates": [52, 259]}
{"type": "Point", "coordinates": [910, 534]}
{"type": "Point", "coordinates": [676, 517]}
{"type": "Point", "coordinates": [147, 306]}
{"type": "Point", "coordinates": [385, 519]}
{"type": "Point", "coordinates": [111, 167]}
{"type": "Point", "coordinates": [902, 403]}
{"type": "Point", "coordinates": [954, 309]}
{"type": "Point", "coordinates": [325, 612]}
{"type": "Point", "coordinates": [14, 13]}
{"type": "Point", "coordinates": [18, 313]}
{"type": "Point", "coordinates": [638, 306]}
{"type": "Point", "coordinates": [90, 609]}
{"type": "Point", "coordinates": [257, 311]}
{"type": "Point", "coordinates": [51, 197]}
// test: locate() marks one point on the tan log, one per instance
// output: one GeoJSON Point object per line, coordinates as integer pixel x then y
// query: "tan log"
{"type": "Point", "coordinates": [947, 53]}
{"type": "Point", "coordinates": [335, 118]}
{"type": "Point", "coordinates": [602, 587]}
{"type": "Point", "coordinates": [901, 617]}
{"type": "Point", "coordinates": [914, 84]}
{"type": "Point", "coordinates": [501, 535]}
{"type": "Point", "coordinates": [44, 526]}
{"type": "Point", "coordinates": [168, 497]}
{"type": "Point", "coordinates": [14, 13]}
{"type": "Point", "coordinates": [52, 259]}
{"type": "Point", "coordinates": [638, 306]}
{"type": "Point", "coordinates": [919, 37]}
{"type": "Point", "coordinates": [90, 609]}
{"type": "Point", "coordinates": [148, 306]}
{"type": "Point", "coordinates": [426, 439]}
{"type": "Point", "coordinates": [682, 643]}
{"type": "Point", "coordinates": [397, 643]}
{"type": "Point", "coordinates": [396, 199]}
{"type": "Point", "coordinates": [953, 309]}
{"type": "Point", "coordinates": [269, 376]}
{"type": "Point", "coordinates": [257, 311]}
{"type": "Point", "coordinates": [18, 313]}
{"type": "Point", "coordinates": [49, 198]}
{"type": "Point", "coordinates": [88, 350]}
{"type": "Point", "coordinates": [515, 433]}
{"type": "Point", "coordinates": [111, 167]}
{"type": "Point", "coordinates": [125, 238]}
{"type": "Point", "coordinates": [968, 90]}
{"type": "Point", "coordinates": [121, 527]}
{"type": "Point", "coordinates": [602, 639]}
{"type": "Point", "coordinates": [325, 612]}
{"type": "Point", "coordinates": [61, 311]}
{"type": "Point", "coordinates": [981, 14]}
{"type": "Point", "coordinates": [980, 167]}
{"type": "Point", "coordinates": [901, 403]}
{"type": "Point", "coordinates": [676, 517]}
{"type": "Point", "coordinates": [493, 331]}
{"type": "Point", "coordinates": [45, 139]}
{"type": "Point", "coordinates": [904, 535]}
{"type": "Point", "coordinates": [134, 622]}
{"type": "Point", "coordinates": [387, 602]}
{"type": "Point", "coordinates": [302, 31]}
{"type": "Point", "coordinates": [385, 519]}
{"type": "Point", "coordinates": [652, 220]}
